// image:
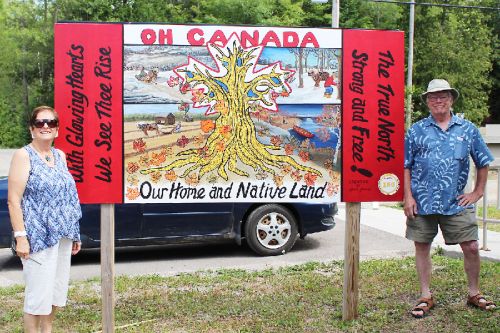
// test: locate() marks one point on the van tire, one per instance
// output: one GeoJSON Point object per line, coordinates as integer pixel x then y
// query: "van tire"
{"type": "Point", "coordinates": [271, 230]}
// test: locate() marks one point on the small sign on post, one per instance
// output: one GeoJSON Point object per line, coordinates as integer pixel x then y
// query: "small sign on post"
{"type": "Point", "coordinates": [372, 136]}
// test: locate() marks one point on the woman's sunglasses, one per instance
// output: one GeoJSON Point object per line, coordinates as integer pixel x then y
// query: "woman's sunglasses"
{"type": "Point", "coordinates": [51, 123]}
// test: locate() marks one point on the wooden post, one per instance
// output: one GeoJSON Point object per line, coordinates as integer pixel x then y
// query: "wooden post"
{"type": "Point", "coordinates": [351, 261]}
{"type": "Point", "coordinates": [108, 267]}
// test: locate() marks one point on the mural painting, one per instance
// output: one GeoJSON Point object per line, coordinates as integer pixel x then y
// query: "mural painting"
{"type": "Point", "coordinates": [220, 122]}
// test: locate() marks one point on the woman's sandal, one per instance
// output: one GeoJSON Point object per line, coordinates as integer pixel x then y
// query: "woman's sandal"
{"type": "Point", "coordinates": [424, 304]}
{"type": "Point", "coordinates": [475, 301]}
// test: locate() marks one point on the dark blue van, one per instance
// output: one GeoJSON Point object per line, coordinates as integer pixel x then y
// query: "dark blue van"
{"type": "Point", "coordinates": [268, 228]}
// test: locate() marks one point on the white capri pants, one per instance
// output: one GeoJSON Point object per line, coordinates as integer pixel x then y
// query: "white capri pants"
{"type": "Point", "coordinates": [47, 278]}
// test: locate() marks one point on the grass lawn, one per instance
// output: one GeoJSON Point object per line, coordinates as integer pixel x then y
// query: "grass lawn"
{"type": "Point", "coordinates": [492, 213]}
{"type": "Point", "coordinates": [305, 298]}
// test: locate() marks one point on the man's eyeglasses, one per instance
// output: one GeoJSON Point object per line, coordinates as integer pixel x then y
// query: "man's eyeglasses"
{"type": "Point", "coordinates": [51, 123]}
{"type": "Point", "coordinates": [435, 98]}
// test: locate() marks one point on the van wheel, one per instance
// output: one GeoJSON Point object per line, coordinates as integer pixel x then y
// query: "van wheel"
{"type": "Point", "coordinates": [271, 230]}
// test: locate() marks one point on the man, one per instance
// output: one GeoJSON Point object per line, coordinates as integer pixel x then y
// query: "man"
{"type": "Point", "coordinates": [437, 151]}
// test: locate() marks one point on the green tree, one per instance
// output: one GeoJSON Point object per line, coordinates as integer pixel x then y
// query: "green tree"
{"type": "Point", "coordinates": [370, 15]}
{"type": "Point", "coordinates": [455, 45]}
{"type": "Point", "coordinates": [494, 100]}
{"type": "Point", "coordinates": [23, 75]}
{"type": "Point", "coordinates": [460, 45]}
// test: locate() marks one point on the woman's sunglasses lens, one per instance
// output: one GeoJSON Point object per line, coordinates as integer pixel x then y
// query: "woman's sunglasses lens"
{"type": "Point", "coordinates": [38, 123]}
{"type": "Point", "coordinates": [51, 123]}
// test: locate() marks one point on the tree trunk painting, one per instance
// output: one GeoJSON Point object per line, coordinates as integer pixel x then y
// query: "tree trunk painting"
{"type": "Point", "coordinates": [232, 91]}
{"type": "Point", "coordinates": [300, 57]}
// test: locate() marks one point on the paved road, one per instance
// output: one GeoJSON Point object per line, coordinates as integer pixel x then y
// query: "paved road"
{"type": "Point", "coordinates": [5, 157]}
{"type": "Point", "coordinates": [321, 247]}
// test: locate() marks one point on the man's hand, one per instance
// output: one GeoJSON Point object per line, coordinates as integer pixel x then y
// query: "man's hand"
{"type": "Point", "coordinates": [22, 247]}
{"type": "Point", "coordinates": [410, 207]}
{"type": "Point", "coordinates": [468, 199]}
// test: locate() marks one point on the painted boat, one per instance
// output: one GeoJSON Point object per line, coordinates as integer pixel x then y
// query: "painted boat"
{"type": "Point", "coordinates": [303, 132]}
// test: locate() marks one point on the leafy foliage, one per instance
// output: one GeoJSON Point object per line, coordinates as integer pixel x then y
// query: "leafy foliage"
{"type": "Point", "coordinates": [454, 45]}
{"type": "Point", "coordinates": [460, 45]}
{"type": "Point", "coordinates": [26, 70]}
{"type": "Point", "coordinates": [369, 15]}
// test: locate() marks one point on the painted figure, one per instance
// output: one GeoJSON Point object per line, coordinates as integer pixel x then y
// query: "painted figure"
{"type": "Point", "coordinates": [330, 82]}
{"type": "Point", "coordinates": [317, 76]}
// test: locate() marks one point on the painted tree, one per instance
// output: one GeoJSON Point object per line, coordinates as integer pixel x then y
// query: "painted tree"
{"type": "Point", "coordinates": [307, 52]}
{"type": "Point", "coordinates": [299, 57]}
{"type": "Point", "coordinates": [232, 91]}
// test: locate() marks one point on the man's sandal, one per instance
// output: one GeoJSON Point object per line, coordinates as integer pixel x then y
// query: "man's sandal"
{"type": "Point", "coordinates": [424, 304]}
{"type": "Point", "coordinates": [478, 301]}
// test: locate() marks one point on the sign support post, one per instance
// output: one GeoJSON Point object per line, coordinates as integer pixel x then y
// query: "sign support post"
{"type": "Point", "coordinates": [351, 238]}
{"type": "Point", "coordinates": [351, 261]}
{"type": "Point", "coordinates": [108, 267]}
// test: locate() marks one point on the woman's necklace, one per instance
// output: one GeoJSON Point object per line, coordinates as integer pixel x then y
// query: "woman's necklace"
{"type": "Point", "coordinates": [45, 156]}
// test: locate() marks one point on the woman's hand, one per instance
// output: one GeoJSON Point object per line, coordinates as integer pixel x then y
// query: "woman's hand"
{"type": "Point", "coordinates": [23, 247]}
{"type": "Point", "coordinates": [77, 246]}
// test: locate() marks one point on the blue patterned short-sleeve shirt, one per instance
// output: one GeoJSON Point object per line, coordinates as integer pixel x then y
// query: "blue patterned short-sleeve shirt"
{"type": "Point", "coordinates": [50, 205]}
{"type": "Point", "coordinates": [439, 162]}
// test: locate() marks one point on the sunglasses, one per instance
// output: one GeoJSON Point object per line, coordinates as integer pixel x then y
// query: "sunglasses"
{"type": "Point", "coordinates": [51, 123]}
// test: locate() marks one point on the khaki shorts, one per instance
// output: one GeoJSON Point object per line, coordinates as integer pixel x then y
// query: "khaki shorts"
{"type": "Point", "coordinates": [456, 229]}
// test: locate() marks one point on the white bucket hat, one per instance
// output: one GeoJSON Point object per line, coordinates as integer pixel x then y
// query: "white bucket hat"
{"type": "Point", "coordinates": [440, 85]}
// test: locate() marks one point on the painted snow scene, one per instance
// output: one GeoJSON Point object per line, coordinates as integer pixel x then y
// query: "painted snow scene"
{"type": "Point", "coordinates": [224, 122]}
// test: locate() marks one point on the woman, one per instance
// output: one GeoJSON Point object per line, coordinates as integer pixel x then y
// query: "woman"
{"type": "Point", "coordinates": [44, 212]}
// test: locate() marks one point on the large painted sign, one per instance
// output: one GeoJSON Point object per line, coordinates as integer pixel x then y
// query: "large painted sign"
{"type": "Point", "coordinates": [195, 113]}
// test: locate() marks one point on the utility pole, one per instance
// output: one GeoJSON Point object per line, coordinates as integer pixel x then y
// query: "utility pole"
{"type": "Point", "coordinates": [409, 81]}
{"type": "Point", "coordinates": [335, 13]}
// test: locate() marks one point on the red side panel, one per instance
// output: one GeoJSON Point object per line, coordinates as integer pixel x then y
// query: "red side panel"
{"type": "Point", "coordinates": [88, 98]}
{"type": "Point", "coordinates": [373, 116]}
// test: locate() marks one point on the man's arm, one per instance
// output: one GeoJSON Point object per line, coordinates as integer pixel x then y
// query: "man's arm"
{"type": "Point", "coordinates": [467, 199]}
{"type": "Point", "coordinates": [410, 205]}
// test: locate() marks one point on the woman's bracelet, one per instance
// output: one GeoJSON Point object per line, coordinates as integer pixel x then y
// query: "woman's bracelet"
{"type": "Point", "coordinates": [19, 233]}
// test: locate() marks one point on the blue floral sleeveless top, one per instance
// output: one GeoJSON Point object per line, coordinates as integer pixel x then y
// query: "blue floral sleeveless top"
{"type": "Point", "coordinates": [50, 204]}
